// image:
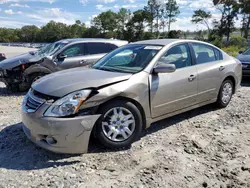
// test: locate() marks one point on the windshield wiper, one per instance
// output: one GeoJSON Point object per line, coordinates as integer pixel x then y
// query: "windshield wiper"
{"type": "Point", "coordinates": [110, 69]}
{"type": "Point", "coordinates": [105, 69]}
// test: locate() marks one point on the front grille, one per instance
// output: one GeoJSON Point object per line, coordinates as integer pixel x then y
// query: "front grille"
{"type": "Point", "coordinates": [33, 102]}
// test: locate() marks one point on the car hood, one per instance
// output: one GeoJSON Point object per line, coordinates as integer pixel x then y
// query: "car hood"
{"type": "Point", "coordinates": [64, 82]}
{"type": "Point", "coordinates": [244, 58]}
{"type": "Point", "coordinates": [10, 63]}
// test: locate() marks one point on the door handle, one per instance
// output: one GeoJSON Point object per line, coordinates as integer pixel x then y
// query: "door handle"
{"type": "Point", "coordinates": [82, 61]}
{"type": "Point", "coordinates": [221, 68]}
{"type": "Point", "coordinates": [191, 78]}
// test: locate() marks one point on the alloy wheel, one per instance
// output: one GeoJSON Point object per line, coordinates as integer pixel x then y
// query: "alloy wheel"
{"type": "Point", "coordinates": [227, 92]}
{"type": "Point", "coordinates": [118, 124]}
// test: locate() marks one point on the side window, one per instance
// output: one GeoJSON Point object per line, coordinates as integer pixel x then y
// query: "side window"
{"type": "Point", "coordinates": [74, 50]}
{"type": "Point", "coordinates": [178, 55]}
{"type": "Point", "coordinates": [112, 47]}
{"type": "Point", "coordinates": [218, 54]}
{"type": "Point", "coordinates": [97, 48]}
{"type": "Point", "coordinates": [204, 53]}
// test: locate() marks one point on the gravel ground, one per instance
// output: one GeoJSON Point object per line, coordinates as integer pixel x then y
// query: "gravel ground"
{"type": "Point", "coordinates": [201, 148]}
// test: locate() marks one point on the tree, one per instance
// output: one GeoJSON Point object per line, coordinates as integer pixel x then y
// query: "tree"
{"type": "Point", "coordinates": [174, 34]}
{"type": "Point", "coordinates": [92, 32]}
{"type": "Point", "coordinates": [154, 9]}
{"type": "Point", "coordinates": [171, 12]}
{"type": "Point", "coordinates": [106, 22]}
{"type": "Point", "coordinates": [136, 25]}
{"type": "Point", "coordinates": [54, 31]}
{"type": "Point", "coordinates": [29, 33]}
{"type": "Point", "coordinates": [201, 17]}
{"type": "Point", "coordinates": [9, 35]}
{"type": "Point", "coordinates": [123, 17]}
{"type": "Point", "coordinates": [77, 30]}
{"type": "Point", "coordinates": [245, 10]}
{"type": "Point", "coordinates": [229, 10]}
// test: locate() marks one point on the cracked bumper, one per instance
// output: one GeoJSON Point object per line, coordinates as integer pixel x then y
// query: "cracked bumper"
{"type": "Point", "coordinates": [60, 135]}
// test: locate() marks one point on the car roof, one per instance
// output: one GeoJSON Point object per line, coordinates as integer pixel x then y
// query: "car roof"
{"type": "Point", "coordinates": [114, 41]}
{"type": "Point", "coordinates": [164, 42]}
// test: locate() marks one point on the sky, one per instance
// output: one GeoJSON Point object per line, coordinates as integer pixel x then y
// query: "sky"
{"type": "Point", "coordinates": [17, 13]}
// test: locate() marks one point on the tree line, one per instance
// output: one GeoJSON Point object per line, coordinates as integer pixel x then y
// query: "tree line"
{"type": "Point", "coordinates": [153, 21]}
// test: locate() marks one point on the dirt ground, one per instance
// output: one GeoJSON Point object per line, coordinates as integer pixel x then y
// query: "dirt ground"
{"type": "Point", "coordinates": [205, 147]}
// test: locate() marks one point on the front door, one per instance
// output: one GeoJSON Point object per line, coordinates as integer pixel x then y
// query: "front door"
{"type": "Point", "coordinates": [73, 56]}
{"type": "Point", "coordinates": [170, 92]}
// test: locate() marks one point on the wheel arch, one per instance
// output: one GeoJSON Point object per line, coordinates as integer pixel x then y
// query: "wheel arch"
{"type": "Point", "coordinates": [36, 69]}
{"type": "Point", "coordinates": [136, 103]}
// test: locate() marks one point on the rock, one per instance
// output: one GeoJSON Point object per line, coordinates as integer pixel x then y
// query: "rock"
{"type": "Point", "coordinates": [204, 184]}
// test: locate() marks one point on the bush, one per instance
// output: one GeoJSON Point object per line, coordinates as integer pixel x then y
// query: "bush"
{"type": "Point", "coordinates": [218, 42]}
{"type": "Point", "coordinates": [174, 34]}
{"type": "Point", "coordinates": [238, 41]}
{"type": "Point", "coordinates": [233, 50]}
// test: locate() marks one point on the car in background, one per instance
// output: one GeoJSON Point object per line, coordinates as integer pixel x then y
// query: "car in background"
{"type": "Point", "coordinates": [20, 72]}
{"type": "Point", "coordinates": [2, 56]}
{"type": "Point", "coordinates": [244, 58]}
{"type": "Point", "coordinates": [125, 92]}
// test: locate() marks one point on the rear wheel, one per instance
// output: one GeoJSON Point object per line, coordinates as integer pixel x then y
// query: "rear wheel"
{"type": "Point", "coordinates": [120, 124]}
{"type": "Point", "coordinates": [225, 94]}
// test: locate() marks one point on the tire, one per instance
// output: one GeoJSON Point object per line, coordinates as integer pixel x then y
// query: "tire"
{"type": "Point", "coordinates": [224, 99]}
{"type": "Point", "coordinates": [13, 87]}
{"type": "Point", "coordinates": [119, 125]}
{"type": "Point", "coordinates": [33, 77]}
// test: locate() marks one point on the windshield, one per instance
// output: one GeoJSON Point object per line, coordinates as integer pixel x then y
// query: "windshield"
{"type": "Point", "coordinates": [247, 52]}
{"type": "Point", "coordinates": [51, 49]}
{"type": "Point", "coordinates": [130, 59]}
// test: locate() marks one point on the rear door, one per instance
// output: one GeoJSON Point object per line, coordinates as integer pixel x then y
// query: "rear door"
{"type": "Point", "coordinates": [210, 71]}
{"type": "Point", "coordinates": [74, 56]}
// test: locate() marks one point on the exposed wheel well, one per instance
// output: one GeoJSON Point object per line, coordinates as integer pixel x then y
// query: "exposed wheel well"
{"type": "Point", "coordinates": [138, 105]}
{"type": "Point", "coordinates": [231, 78]}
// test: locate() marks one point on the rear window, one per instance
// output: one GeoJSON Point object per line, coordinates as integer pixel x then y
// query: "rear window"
{"type": "Point", "coordinates": [99, 48]}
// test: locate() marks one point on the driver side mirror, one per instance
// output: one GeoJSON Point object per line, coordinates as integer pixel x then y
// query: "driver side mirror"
{"type": "Point", "coordinates": [165, 68]}
{"type": "Point", "coordinates": [62, 56]}
{"type": "Point", "coordinates": [240, 52]}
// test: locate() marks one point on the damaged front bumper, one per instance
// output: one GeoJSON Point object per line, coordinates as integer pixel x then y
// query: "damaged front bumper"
{"type": "Point", "coordinates": [60, 135]}
{"type": "Point", "coordinates": [3, 76]}
{"type": "Point", "coordinates": [11, 77]}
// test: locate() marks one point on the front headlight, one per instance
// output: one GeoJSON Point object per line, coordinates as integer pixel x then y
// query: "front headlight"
{"type": "Point", "coordinates": [68, 105]}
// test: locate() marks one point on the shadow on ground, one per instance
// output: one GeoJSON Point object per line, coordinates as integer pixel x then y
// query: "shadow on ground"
{"type": "Point", "coordinates": [245, 82]}
{"type": "Point", "coordinates": [5, 92]}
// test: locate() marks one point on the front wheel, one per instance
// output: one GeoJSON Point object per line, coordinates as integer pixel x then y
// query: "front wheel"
{"type": "Point", "coordinates": [225, 94]}
{"type": "Point", "coordinates": [120, 124]}
{"type": "Point", "coordinates": [34, 77]}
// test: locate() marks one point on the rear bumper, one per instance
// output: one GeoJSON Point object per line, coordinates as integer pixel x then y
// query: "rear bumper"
{"type": "Point", "coordinates": [60, 135]}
